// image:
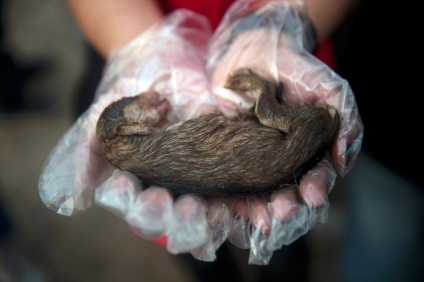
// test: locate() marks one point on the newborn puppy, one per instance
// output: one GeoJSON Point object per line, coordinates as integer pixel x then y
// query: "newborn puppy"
{"type": "Point", "coordinates": [214, 155]}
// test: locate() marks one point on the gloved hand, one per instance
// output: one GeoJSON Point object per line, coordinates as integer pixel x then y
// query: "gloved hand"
{"type": "Point", "coordinates": [275, 39]}
{"type": "Point", "coordinates": [168, 58]}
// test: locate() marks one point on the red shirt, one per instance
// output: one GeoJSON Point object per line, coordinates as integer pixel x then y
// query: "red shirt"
{"type": "Point", "coordinates": [214, 10]}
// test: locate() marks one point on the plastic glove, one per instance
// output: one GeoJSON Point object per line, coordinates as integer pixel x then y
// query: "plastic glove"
{"type": "Point", "coordinates": [273, 38]}
{"type": "Point", "coordinates": [168, 58]}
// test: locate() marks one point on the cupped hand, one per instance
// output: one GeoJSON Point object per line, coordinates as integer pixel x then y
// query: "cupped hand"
{"type": "Point", "coordinates": [169, 59]}
{"type": "Point", "coordinates": [271, 50]}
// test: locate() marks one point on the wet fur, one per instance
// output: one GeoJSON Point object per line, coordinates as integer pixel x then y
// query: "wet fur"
{"type": "Point", "coordinates": [215, 155]}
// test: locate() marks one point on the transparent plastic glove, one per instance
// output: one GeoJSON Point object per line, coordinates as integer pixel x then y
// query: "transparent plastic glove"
{"type": "Point", "coordinates": [219, 221]}
{"type": "Point", "coordinates": [168, 58]}
{"type": "Point", "coordinates": [273, 39]}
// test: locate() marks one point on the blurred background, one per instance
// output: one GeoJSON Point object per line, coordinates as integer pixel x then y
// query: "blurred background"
{"type": "Point", "coordinates": [375, 224]}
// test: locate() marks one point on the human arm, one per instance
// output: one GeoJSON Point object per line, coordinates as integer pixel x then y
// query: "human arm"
{"type": "Point", "coordinates": [109, 24]}
{"type": "Point", "coordinates": [327, 15]}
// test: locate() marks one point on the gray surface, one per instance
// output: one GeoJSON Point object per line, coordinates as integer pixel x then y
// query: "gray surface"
{"type": "Point", "coordinates": [386, 226]}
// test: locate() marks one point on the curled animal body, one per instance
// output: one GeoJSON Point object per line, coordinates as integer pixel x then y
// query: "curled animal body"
{"type": "Point", "coordinates": [214, 155]}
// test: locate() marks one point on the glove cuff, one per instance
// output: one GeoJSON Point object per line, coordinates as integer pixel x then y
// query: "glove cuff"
{"type": "Point", "coordinates": [290, 20]}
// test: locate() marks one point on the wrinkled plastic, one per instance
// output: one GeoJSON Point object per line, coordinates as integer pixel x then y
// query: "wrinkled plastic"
{"type": "Point", "coordinates": [184, 62]}
{"type": "Point", "coordinates": [164, 59]}
{"type": "Point", "coordinates": [168, 58]}
{"type": "Point", "coordinates": [268, 37]}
